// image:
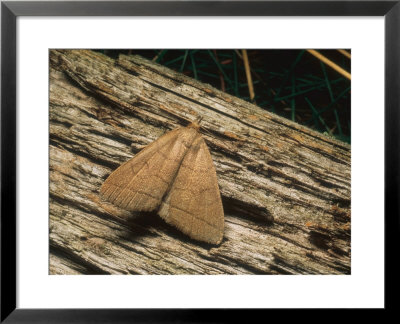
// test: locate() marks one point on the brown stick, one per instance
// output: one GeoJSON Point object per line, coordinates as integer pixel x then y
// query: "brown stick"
{"type": "Point", "coordinates": [328, 62]}
{"type": "Point", "coordinates": [345, 53]}
{"type": "Point", "coordinates": [248, 74]}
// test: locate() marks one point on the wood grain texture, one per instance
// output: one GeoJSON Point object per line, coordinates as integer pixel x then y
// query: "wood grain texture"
{"type": "Point", "coordinates": [104, 111]}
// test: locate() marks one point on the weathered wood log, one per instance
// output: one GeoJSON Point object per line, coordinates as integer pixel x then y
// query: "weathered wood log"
{"type": "Point", "coordinates": [285, 188]}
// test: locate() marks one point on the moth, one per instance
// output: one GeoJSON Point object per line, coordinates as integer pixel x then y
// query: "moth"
{"type": "Point", "coordinates": [176, 177]}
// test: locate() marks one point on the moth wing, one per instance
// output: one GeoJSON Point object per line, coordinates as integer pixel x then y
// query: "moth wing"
{"type": "Point", "coordinates": [140, 183]}
{"type": "Point", "coordinates": [193, 204]}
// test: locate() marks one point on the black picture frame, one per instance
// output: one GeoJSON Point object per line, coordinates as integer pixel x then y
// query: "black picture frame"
{"type": "Point", "coordinates": [10, 10]}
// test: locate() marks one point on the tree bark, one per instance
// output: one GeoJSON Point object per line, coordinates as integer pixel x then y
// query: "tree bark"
{"type": "Point", "coordinates": [285, 188]}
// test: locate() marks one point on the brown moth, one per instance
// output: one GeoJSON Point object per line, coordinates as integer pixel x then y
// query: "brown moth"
{"type": "Point", "coordinates": [174, 175]}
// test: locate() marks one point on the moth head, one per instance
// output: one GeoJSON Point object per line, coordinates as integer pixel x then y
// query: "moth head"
{"type": "Point", "coordinates": [195, 124]}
